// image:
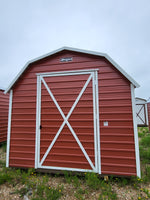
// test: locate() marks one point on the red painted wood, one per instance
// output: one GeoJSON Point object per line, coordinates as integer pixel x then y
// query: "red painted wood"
{"type": "Point", "coordinates": [117, 140]}
{"type": "Point", "coordinates": [148, 108]}
{"type": "Point", "coordinates": [4, 105]}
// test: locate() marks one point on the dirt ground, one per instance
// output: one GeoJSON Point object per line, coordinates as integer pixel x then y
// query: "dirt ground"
{"type": "Point", "coordinates": [127, 192]}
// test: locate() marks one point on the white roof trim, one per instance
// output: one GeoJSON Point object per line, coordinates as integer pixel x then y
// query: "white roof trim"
{"type": "Point", "coordinates": [76, 50]}
{"type": "Point", "coordinates": [138, 98]}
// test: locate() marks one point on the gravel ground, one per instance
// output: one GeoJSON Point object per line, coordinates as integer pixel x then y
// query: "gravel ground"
{"type": "Point", "coordinates": [2, 155]}
{"type": "Point", "coordinates": [123, 193]}
{"type": "Point", "coordinates": [129, 193]}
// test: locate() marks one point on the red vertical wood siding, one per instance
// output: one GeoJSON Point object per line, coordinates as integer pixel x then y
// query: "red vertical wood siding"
{"type": "Point", "coordinates": [117, 139]}
{"type": "Point", "coordinates": [4, 105]}
{"type": "Point", "coordinates": [148, 109]}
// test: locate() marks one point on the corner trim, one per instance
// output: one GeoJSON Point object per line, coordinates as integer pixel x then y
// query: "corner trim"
{"type": "Point", "coordinates": [9, 128]}
{"type": "Point", "coordinates": [136, 141]}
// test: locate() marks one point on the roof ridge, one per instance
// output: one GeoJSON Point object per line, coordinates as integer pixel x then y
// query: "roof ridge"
{"type": "Point", "coordinates": [75, 50]}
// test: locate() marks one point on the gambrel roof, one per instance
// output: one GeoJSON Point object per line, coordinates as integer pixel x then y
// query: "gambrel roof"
{"type": "Point", "coordinates": [74, 50]}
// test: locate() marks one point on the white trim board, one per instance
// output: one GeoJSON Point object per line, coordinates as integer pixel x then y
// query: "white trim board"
{"type": "Point", "coordinates": [146, 113]}
{"type": "Point", "coordinates": [9, 128]}
{"type": "Point", "coordinates": [136, 141]}
{"type": "Point", "coordinates": [66, 73]}
{"type": "Point", "coordinates": [38, 119]}
{"type": "Point", "coordinates": [98, 123]}
{"type": "Point", "coordinates": [74, 50]}
{"type": "Point", "coordinates": [67, 168]}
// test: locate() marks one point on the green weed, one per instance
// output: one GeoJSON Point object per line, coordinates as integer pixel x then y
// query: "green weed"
{"type": "Point", "coordinates": [146, 192]}
{"type": "Point", "coordinates": [76, 181]}
{"type": "Point", "coordinates": [147, 172]}
{"type": "Point", "coordinates": [121, 181]}
{"type": "Point", "coordinates": [145, 150]}
{"type": "Point", "coordinates": [2, 163]}
{"type": "Point", "coordinates": [145, 155]}
{"type": "Point", "coordinates": [81, 191]}
{"type": "Point", "coordinates": [79, 196]}
{"type": "Point", "coordinates": [141, 134]}
{"type": "Point", "coordinates": [143, 131]}
{"type": "Point", "coordinates": [5, 178]}
{"type": "Point", "coordinates": [53, 194]}
{"type": "Point", "coordinates": [92, 180]}
{"type": "Point", "coordinates": [106, 192]}
{"type": "Point", "coordinates": [68, 176]}
{"type": "Point", "coordinates": [145, 142]}
{"type": "Point", "coordinates": [47, 193]}
{"type": "Point", "coordinates": [22, 191]}
{"type": "Point", "coordinates": [40, 190]}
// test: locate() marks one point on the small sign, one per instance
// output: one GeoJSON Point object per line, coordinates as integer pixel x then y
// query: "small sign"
{"type": "Point", "coordinates": [66, 59]}
{"type": "Point", "coordinates": [106, 123]}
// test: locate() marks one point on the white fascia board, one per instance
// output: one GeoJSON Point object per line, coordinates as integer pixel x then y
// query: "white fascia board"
{"type": "Point", "coordinates": [109, 59]}
{"type": "Point", "coordinates": [26, 66]}
{"type": "Point", "coordinates": [138, 98]}
{"type": "Point", "coordinates": [122, 71]}
{"type": "Point", "coordinates": [75, 50]}
{"type": "Point", "coordinates": [140, 101]}
{"type": "Point", "coordinates": [16, 78]}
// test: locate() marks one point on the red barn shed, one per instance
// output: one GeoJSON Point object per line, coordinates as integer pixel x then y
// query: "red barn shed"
{"type": "Point", "coordinates": [73, 110]}
{"type": "Point", "coordinates": [148, 108]}
{"type": "Point", "coordinates": [4, 105]}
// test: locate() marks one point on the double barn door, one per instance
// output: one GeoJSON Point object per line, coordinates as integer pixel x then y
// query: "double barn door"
{"type": "Point", "coordinates": [67, 122]}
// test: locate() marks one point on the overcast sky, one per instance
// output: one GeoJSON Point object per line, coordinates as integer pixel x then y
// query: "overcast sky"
{"type": "Point", "coordinates": [120, 28]}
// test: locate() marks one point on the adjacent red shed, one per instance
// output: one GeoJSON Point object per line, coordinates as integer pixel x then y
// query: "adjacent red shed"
{"type": "Point", "coordinates": [73, 110]}
{"type": "Point", "coordinates": [148, 108]}
{"type": "Point", "coordinates": [4, 105]}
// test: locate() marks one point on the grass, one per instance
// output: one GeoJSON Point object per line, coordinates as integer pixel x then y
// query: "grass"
{"type": "Point", "coordinates": [145, 153]}
{"type": "Point", "coordinates": [5, 178]}
{"type": "Point", "coordinates": [142, 131]}
{"type": "Point", "coordinates": [39, 186]}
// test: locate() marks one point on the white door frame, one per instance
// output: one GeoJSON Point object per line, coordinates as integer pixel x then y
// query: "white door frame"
{"type": "Point", "coordinates": [92, 77]}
